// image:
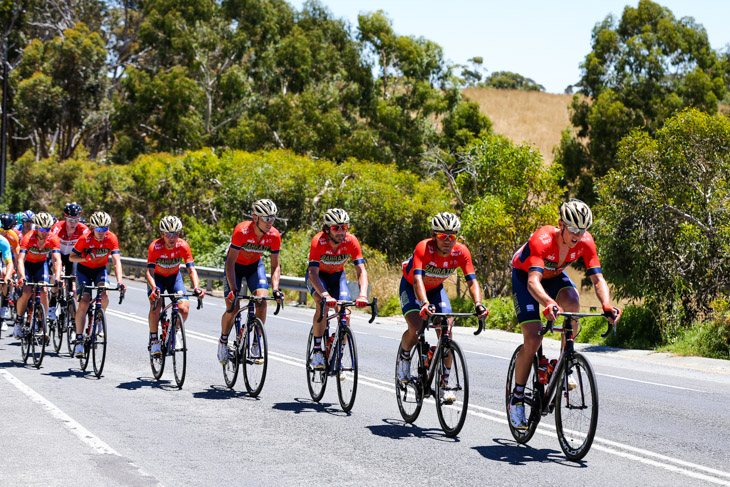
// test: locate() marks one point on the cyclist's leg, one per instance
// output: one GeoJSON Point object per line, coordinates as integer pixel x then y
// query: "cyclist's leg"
{"type": "Point", "coordinates": [227, 318]}
{"type": "Point", "coordinates": [177, 286]}
{"type": "Point", "coordinates": [567, 298]}
{"type": "Point", "coordinates": [440, 300]}
{"type": "Point", "coordinates": [34, 272]}
{"type": "Point", "coordinates": [45, 279]}
{"type": "Point", "coordinates": [259, 286]}
{"type": "Point", "coordinates": [84, 276]}
{"type": "Point", "coordinates": [528, 316]}
{"type": "Point", "coordinates": [102, 278]}
{"type": "Point", "coordinates": [331, 284]}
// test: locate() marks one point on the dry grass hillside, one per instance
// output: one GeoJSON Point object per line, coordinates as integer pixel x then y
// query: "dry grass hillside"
{"type": "Point", "coordinates": [525, 116]}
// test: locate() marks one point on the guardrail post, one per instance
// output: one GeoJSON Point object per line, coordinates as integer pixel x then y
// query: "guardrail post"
{"type": "Point", "coordinates": [302, 297]}
{"type": "Point", "coordinates": [208, 285]}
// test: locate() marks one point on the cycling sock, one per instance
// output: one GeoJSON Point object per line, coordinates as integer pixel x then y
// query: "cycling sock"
{"type": "Point", "coordinates": [519, 393]}
{"type": "Point", "coordinates": [53, 301]}
{"type": "Point", "coordinates": [224, 339]}
{"type": "Point", "coordinates": [153, 337]}
{"type": "Point", "coordinates": [405, 354]}
{"type": "Point", "coordinates": [79, 336]}
{"type": "Point", "coordinates": [318, 343]}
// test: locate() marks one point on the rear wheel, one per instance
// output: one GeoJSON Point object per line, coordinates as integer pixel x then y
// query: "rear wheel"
{"type": "Point", "coordinates": [452, 392]}
{"type": "Point", "coordinates": [316, 378]}
{"type": "Point", "coordinates": [576, 415]}
{"type": "Point", "coordinates": [255, 355]}
{"type": "Point", "coordinates": [177, 347]}
{"type": "Point", "coordinates": [56, 328]}
{"type": "Point", "coordinates": [410, 393]}
{"type": "Point", "coordinates": [25, 339]}
{"type": "Point", "coordinates": [69, 317]}
{"type": "Point", "coordinates": [347, 369]}
{"type": "Point", "coordinates": [38, 335]}
{"type": "Point", "coordinates": [230, 369]}
{"type": "Point", "coordinates": [532, 402]}
{"type": "Point", "coordinates": [98, 342]}
{"type": "Point", "coordinates": [158, 363]}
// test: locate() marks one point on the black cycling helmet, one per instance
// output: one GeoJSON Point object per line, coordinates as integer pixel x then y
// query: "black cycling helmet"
{"type": "Point", "coordinates": [7, 221]}
{"type": "Point", "coordinates": [72, 209]}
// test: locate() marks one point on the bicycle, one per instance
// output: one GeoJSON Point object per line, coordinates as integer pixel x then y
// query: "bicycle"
{"type": "Point", "coordinates": [343, 362]}
{"type": "Point", "coordinates": [248, 347]}
{"type": "Point", "coordinates": [33, 338]}
{"type": "Point", "coordinates": [172, 340]}
{"type": "Point", "coordinates": [9, 303]}
{"type": "Point", "coordinates": [60, 325]}
{"type": "Point", "coordinates": [431, 364]}
{"type": "Point", "coordinates": [577, 415]}
{"type": "Point", "coordinates": [95, 337]}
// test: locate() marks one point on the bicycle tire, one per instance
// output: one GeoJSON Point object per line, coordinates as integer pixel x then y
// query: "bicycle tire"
{"type": "Point", "coordinates": [347, 369]}
{"type": "Point", "coordinates": [157, 364]}
{"type": "Point", "coordinates": [38, 335]}
{"type": "Point", "coordinates": [25, 338]}
{"type": "Point", "coordinates": [570, 413]}
{"type": "Point", "coordinates": [177, 347]}
{"type": "Point", "coordinates": [254, 365]}
{"type": "Point", "coordinates": [410, 394]}
{"type": "Point", "coordinates": [99, 341]}
{"type": "Point", "coordinates": [316, 378]}
{"type": "Point", "coordinates": [533, 399]}
{"type": "Point", "coordinates": [56, 329]}
{"type": "Point", "coordinates": [452, 414]}
{"type": "Point", "coordinates": [70, 322]}
{"type": "Point", "coordinates": [230, 369]}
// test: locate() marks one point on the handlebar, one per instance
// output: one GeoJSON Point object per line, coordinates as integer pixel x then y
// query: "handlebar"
{"type": "Point", "coordinates": [257, 299]}
{"type": "Point", "coordinates": [177, 297]}
{"type": "Point", "coordinates": [430, 322]}
{"type": "Point", "coordinates": [373, 308]}
{"type": "Point", "coordinates": [101, 289]}
{"type": "Point", "coordinates": [569, 314]}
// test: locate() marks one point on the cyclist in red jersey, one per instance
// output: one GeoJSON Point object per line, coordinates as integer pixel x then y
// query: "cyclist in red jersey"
{"type": "Point", "coordinates": [68, 232]}
{"type": "Point", "coordinates": [330, 250]}
{"type": "Point", "coordinates": [7, 230]}
{"type": "Point", "coordinates": [422, 292]}
{"type": "Point", "coordinates": [91, 252]}
{"type": "Point", "coordinates": [32, 263]}
{"type": "Point", "coordinates": [249, 242]}
{"type": "Point", "coordinates": [163, 274]}
{"type": "Point", "coordinates": [538, 279]}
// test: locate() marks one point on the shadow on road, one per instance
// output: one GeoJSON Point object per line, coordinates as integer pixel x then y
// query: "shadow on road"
{"type": "Point", "coordinates": [398, 430]}
{"type": "Point", "coordinates": [216, 392]}
{"type": "Point", "coordinates": [300, 405]}
{"type": "Point", "coordinates": [60, 374]}
{"type": "Point", "coordinates": [148, 382]}
{"type": "Point", "coordinates": [511, 452]}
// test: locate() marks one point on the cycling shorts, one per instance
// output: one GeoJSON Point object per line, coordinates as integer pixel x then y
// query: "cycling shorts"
{"type": "Point", "coordinates": [255, 275]}
{"type": "Point", "coordinates": [172, 284]}
{"type": "Point", "coordinates": [436, 296]}
{"type": "Point", "coordinates": [526, 306]}
{"type": "Point", "coordinates": [91, 277]}
{"type": "Point", "coordinates": [334, 283]}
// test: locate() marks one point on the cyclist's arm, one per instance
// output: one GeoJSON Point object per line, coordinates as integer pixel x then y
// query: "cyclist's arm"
{"type": "Point", "coordinates": [534, 285]}
{"type": "Point", "coordinates": [73, 257]}
{"type": "Point", "coordinates": [193, 276]}
{"type": "Point", "coordinates": [117, 259]}
{"type": "Point", "coordinates": [21, 266]}
{"type": "Point", "coordinates": [231, 267]}
{"type": "Point", "coordinates": [419, 288]}
{"type": "Point", "coordinates": [275, 271]}
{"type": "Point", "coordinates": [57, 265]}
{"type": "Point", "coordinates": [150, 277]}
{"type": "Point", "coordinates": [475, 291]}
{"type": "Point", "coordinates": [316, 281]}
{"type": "Point", "coordinates": [9, 269]}
{"type": "Point", "coordinates": [362, 279]}
{"type": "Point", "coordinates": [601, 287]}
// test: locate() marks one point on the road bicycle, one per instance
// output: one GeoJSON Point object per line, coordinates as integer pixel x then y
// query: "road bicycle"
{"type": "Point", "coordinates": [66, 307]}
{"type": "Point", "coordinates": [575, 402]}
{"type": "Point", "coordinates": [34, 337]}
{"type": "Point", "coordinates": [9, 303]}
{"type": "Point", "coordinates": [340, 355]}
{"type": "Point", "coordinates": [95, 333]}
{"type": "Point", "coordinates": [451, 394]}
{"type": "Point", "coordinates": [248, 347]}
{"type": "Point", "coordinates": [172, 340]}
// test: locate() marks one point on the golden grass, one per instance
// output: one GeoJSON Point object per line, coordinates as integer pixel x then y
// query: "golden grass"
{"type": "Point", "coordinates": [525, 116]}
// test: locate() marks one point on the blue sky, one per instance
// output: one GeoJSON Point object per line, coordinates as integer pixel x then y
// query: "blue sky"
{"type": "Point", "coordinates": [543, 40]}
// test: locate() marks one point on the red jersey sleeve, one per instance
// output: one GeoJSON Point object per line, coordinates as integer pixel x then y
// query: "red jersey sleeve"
{"type": "Point", "coordinates": [237, 240]}
{"type": "Point", "coordinates": [315, 250]}
{"type": "Point", "coordinates": [467, 266]}
{"type": "Point", "coordinates": [355, 251]}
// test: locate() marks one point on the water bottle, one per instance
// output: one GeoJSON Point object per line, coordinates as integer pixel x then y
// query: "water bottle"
{"type": "Point", "coordinates": [330, 340]}
{"type": "Point", "coordinates": [425, 356]}
{"type": "Point", "coordinates": [431, 351]}
{"type": "Point", "coordinates": [551, 367]}
{"type": "Point", "coordinates": [542, 370]}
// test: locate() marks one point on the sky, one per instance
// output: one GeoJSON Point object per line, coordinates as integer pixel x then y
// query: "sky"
{"type": "Point", "coordinates": [543, 40]}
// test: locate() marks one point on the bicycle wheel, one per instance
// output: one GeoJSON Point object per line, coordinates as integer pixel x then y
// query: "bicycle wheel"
{"type": "Point", "coordinates": [576, 416]}
{"type": "Point", "coordinates": [230, 369]}
{"type": "Point", "coordinates": [410, 394]}
{"type": "Point", "coordinates": [70, 323]}
{"type": "Point", "coordinates": [177, 347]}
{"type": "Point", "coordinates": [158, 363]}
{"type": "Point", "coordinates": [98, 341]}
{"type": "Point", "coordinates": [347, 369]}
{"type": "Point", "coordinates": [452, 392]}
{"type": "Point", "coordinates": [25, 339]}
{"type": "Point", "coordinates": [38, 335]}
{"type": "Point", "coordinates": [532, 402]}
{"type": "Point", "coordinates": [55, 329]}
{"type": "Point", "coordinates": [255, 355]}
{"type": "Point", "coordinates": [316, 378]}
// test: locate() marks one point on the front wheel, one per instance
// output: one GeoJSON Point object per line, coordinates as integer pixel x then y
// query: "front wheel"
{"type": "Point", "coordinates": [177, 347]}
{"type": "Point", "coordinates": [230, 369]}
{"type": "Point", "coordinates": [25, 339]}
{"type": "Point", "coordinates": [347, 369]}
{"type": "Point", "coordinates": [452, 389]}
{"type": "Point", "coordinates": [576, 416]}
{"type": "Point", "coordinates": [255, 354]}
{"type": "Point", "coordinates": [69, 317]}
{"type": "Point", "coordinates": [38, 335]}
{"type": "Point", "coordinates": [157, 364]}
{"type": "Point", "coordinates": [316, 378]}
{"type": "Point", "coordinates": [98, 341]}
{"type": "Point", "coordinates": [409, 393]}
{"type": "Point", "coordinates": [56, 328]}
{"type": "Point", "coordinates": [532, 401]}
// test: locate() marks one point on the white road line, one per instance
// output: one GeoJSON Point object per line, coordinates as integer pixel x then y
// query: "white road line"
{"type": "Point", "coordinates": [388, 338]}
{"type": "Point", "coordinates": [601, 444]}
{"type": "Point", "coordinates": [652, 383]}
{"type": "Point", "coordinates": [488, 355]}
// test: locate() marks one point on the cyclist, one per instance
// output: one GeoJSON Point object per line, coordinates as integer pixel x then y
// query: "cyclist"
{"type": "Point", "coordinates": [32, 263]}
{"type": "Point", "coordinates": [91, 252]}
{"type": "Point", "coordinates": [6, 271]}
{"type": "Point", "coordinates": [325, 276]}
{"type": "Point", "coordinates": [249, 241]}
{"type": "Point", "coordinates": [26, 223]}
{"type": "Point", "coordinates": [68, 232]}
{"type": "Point", "coordinates": [538, 279]}
{"type": "Point", "coordinates": [7, 230]}
{"type": "Point", "coordinates": [163, 274]}
{"type": "Point", "coordinates": [422, 291]}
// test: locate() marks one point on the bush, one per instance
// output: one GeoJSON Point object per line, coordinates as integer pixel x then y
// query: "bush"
{"type": "Point", "coordinates": [709, 339]}
{"type": "Point", "coordinates": [638, 328]}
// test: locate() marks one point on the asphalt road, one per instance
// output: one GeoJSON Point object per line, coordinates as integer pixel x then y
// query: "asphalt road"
{"type": "Point", "coordinates": [663, 420]}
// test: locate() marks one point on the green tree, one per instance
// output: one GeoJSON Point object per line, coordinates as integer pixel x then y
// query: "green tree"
{"type": "Point", "coordinates": [507, 80]}
{"type": "Point", "coordinates": [641, 69]}
{"type": "Point", "coordinates": [665, 217]}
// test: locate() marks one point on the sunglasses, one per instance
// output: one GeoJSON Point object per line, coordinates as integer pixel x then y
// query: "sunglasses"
{"type": "Point", "coordinates": [73, 220]}
{"type": "Point", "coordinates": [171, 234]}
{"type": "Point", "coordinates": [336, 228]}
{"type": "Point", "coordinates": [575, 230]}
{"type": "Point", "coordinates": [446, 236]}
{"type": "Point", "coordinates": [267, 219]}
{"type": "Point", "coordinates": [43, 229]}
{"type": "Point", "coordinates": [101, 229]}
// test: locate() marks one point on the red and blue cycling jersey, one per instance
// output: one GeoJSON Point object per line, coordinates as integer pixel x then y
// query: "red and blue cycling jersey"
{"type": "Point", "coordinates": [329, 260]}
{"type": "Point", "coordinates": [31, 247]}
{"type": "Point", "coordinates": [434, 268]}
{"type": "Point", "coordinates": [99, 251]}
{"type": "Point", "coordinates": [166, 262]}
{"type": "Point", "coordinates": [68, 241]}
{"type": "Point", "coordinates": [249, 248]}
{"type": "Point", "coordinates": [541, 253]}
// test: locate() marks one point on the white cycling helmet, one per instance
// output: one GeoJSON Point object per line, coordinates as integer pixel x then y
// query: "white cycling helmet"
{"type": "Point", "coordinates": [170, 224]}
{"type": "Point", "coordinates": [336, 216]}
{"type": "Point", "coordinates": [43, 220]}
{"type": "Point", "coordinates": [445, 222]}
{"type": "Point", "coordinates": [100, 219]}
{"type": "Point", "coordinates": [264, 208]}
{"type": "Point", "coordinates": [575, 213]}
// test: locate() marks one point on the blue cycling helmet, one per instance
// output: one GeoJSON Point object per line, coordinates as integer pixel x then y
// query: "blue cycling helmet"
{"type": "Point", "coordinates": [28, 216]}
{"type": "Point", "coordinates": [72, 209]}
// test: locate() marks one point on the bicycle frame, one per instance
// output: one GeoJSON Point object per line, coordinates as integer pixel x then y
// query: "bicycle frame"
{"type": "Point", "coordinates": [332, 366]}
{"type": "Point", "coordinates": [250, 315]}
